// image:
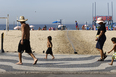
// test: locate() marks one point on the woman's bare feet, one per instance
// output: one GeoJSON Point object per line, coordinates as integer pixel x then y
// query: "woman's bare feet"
{"type": "Point", "coordinates": [110, 64]}
{"type": "Point", "coordinates": [35, 61]}
{"type": "Point", "coordinates": [45, 58]}
{"type": "Point", "coordinates": [19, 63]}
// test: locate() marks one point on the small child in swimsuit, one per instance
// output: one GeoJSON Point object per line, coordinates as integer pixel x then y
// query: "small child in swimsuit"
{"type": "Point", "coordinates": [114, 48]}
{"type": "Point", "coordinates": [49, 45]}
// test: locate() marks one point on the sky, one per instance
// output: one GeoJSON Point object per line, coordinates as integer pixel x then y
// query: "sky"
{"type": "Point", "coordinates": [47, 11]}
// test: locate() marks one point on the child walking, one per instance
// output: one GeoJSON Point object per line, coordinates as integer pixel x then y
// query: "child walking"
{"type": "Point", "coordinates": [114, 48]}
{"type": "Point", "coordinates": [49, 45]}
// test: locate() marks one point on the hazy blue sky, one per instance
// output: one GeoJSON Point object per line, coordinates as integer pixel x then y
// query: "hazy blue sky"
{"type": "Point", "coordinates": [47, 11]}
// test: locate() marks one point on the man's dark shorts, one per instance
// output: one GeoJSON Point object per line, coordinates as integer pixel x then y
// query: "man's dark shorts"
{"type": "Point", "coordinates": [25, 46]}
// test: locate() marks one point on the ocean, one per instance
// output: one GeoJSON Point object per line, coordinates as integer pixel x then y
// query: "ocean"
{"type": "Point", "coordinates": [36, 26]}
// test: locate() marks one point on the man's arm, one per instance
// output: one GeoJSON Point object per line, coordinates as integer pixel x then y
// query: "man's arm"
{"type": "Point", "coordinates": [29, 31]}
{"type": "Point", "coordinates": [29, 35]}
{"type": "Point", "coordinates": [22, 29]}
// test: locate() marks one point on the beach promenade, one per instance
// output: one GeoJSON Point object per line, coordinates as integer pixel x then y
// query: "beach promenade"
{"type": "Point", "coordinates": [64, 45]}
{"type": "Point", "coordinates": [73, 64]}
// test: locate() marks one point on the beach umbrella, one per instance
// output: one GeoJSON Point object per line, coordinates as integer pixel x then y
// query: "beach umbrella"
{"type": "Point", "coordinates": [17, 27]}
{"type": "Point", "coordinates": [56, 22]}
{"type": "Point", "coordinates": [31, 26]}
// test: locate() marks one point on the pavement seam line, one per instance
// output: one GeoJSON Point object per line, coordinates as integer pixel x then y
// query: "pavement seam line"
{"type": "Point", "coordinates": [70, 41]}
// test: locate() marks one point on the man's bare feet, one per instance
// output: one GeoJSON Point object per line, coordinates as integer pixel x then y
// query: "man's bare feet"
{"type": "Point", "coordinates": [19, 63]}
{"type": "Point", "coordinates": [53, 58]}
{"type": "Point", "coordinates": [110, 64]}
{"type": "Point", "coordinates": [35, 61]}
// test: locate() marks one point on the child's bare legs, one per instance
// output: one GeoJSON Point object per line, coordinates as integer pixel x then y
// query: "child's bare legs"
{"type": "Point", "coordinates": [46, 56]}
{"type": "Point", "coordinates": [20, 59]}
{"type": "Point", "coordinates": [112, 62]}
{"type": "Point", "coordinates": [34, 58]}
{"type": "Point", "coordinates": [52, 56]}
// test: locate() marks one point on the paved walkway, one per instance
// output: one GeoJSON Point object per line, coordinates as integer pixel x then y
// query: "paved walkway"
{"type": "Point", "coordinates": [61, 64]}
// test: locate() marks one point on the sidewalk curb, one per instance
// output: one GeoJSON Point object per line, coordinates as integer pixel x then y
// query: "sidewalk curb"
{"type": "Point", "coordinates": [57, 72]}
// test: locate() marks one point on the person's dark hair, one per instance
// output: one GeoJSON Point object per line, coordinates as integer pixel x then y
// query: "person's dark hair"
{"type": "Point", "coordinates": [113, 39]}
{"type": "Point", "coordinates": [49, 38]}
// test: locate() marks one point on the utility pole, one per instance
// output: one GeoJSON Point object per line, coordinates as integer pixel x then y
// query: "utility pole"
{"type": "Point", "coordinates": [108, 13]}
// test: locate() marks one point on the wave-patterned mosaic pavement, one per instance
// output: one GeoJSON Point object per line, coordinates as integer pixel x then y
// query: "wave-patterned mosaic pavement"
{"type": "Point", "coordinates": [61, 63]}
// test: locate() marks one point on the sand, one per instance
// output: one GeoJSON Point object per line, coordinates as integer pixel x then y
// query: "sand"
{"type": "Point", "coordinates": [64, 42]}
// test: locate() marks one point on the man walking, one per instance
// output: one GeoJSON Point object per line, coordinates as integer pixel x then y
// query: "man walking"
{"type": "Point", "coordinates": [24, 43]}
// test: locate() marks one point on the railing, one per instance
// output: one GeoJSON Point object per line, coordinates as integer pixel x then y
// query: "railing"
{"type": "Point", "coordinates": [2, 39]}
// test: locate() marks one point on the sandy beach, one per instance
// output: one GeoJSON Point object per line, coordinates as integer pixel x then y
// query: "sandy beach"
{"type": "Point", "coordinates": [82, 40]}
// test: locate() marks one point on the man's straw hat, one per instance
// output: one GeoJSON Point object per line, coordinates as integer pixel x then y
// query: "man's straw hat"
{"type": "Point", "coordinates": [99, 20]}
{"type": "Point", "coordinates": [22, 19]}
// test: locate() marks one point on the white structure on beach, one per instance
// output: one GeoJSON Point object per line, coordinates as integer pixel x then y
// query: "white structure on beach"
{"type": "Point", "coordinates": [7, 21]}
